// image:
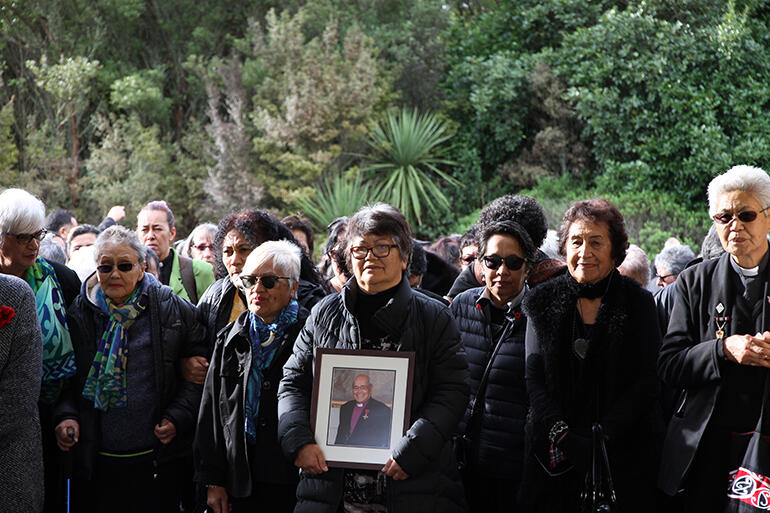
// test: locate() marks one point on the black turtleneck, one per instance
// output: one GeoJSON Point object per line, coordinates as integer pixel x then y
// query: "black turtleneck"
{"type": "Point", "coordinates": [594, 290]}
{"type": "Point", "coordinates": [164, 273]}
{"type": "Point", "coordinates": [372, 336]}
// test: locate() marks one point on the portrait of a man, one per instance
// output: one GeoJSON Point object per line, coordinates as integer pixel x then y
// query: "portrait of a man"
{"type": "Point", "coordinates": [364, 421]}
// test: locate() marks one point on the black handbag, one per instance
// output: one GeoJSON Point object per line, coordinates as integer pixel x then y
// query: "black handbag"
{"type": "Point", "coordinates": [598, 494]}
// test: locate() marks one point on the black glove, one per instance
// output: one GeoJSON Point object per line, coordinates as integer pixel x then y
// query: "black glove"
{"type": "Point", "coordinates": [578, 450]}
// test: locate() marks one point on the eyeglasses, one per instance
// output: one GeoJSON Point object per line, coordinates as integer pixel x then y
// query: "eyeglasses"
{"type": "Point", "coordinates": [268, 282]}
{"type": "Point", "coordinates": [468, 259]}
{"type": "Point", "coordinates": [360, 387]}
{"type": "Point", "coordinates": [744, 216]}
{"type": "Point", "coordinates": [512, 262]}
{"type": "Point", "coordinates": [26, 238]}
{"type": "Point", "coordinates": [203, 247]}
{"type": "Point", "coordinates": [123, 267]}
{"type": "Point", "coordinates": [379, 251]}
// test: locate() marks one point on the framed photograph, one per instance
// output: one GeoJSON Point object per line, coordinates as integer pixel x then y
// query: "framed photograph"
{"type": "Point", "coordinates": [360, 406]}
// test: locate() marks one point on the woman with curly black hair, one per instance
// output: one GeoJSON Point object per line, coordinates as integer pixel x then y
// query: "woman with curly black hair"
{"type": "Point", "coordinates": [237, 235]}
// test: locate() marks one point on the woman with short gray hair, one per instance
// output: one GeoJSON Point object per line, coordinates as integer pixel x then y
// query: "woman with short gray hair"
{"type": "Point", "coordinates": [378, 310]}
{"type": "Point", "coordinates": [238, 456]}
{"type": "Point", "coordinates": [127, 415]}
{"type": "Point", "coordinates": [199, 245]}
{"type": "Point", "coordinates": [717, 346]}
{"type": "Point", "coordinates": [672, 261]}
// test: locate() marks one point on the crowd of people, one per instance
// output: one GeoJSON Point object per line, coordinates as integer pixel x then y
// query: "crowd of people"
{"type": "Point", "coordinates": [553, 371]}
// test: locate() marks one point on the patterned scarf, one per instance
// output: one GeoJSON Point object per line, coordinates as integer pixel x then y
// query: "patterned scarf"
{"type": "Point", "coordinates": [106, 381]}
{"type": "Point", "coordinates": [58, 355]}
{"type": "Point", "coordinates": [265, 339]}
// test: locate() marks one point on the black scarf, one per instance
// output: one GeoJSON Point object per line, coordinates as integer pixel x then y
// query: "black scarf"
{"type": "Point", "coordinates": [594, 290]}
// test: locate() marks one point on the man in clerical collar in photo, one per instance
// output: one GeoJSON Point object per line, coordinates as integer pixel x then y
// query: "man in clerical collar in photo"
{"type": "Point", "coordinates": [364, 421]}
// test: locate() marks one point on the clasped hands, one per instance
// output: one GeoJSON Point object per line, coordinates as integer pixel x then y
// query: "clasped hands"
{"type": "Point", "coordinates": [748, 349]}
{"type": "Point", "coordinates": [310, 459]}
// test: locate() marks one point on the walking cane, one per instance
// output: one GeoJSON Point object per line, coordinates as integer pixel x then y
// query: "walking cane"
{"type": "Point", "coordinates": [68, 466]}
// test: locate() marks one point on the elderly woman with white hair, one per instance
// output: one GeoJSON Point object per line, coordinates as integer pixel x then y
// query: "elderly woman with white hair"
{"type": "Point", "coordinates": [238, 455]}
{"type": "Point", "coordinates": [199, 245]}
{"type": "Point", "coordinates": [55, 286]}
{"type": "Point", "coordinates": [717, 348]}
{"type": "Point", "coordinates": [128, 416]}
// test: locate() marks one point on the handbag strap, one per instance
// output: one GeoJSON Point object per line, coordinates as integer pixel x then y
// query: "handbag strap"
{"type": "Point", "coordinates": [476, 404]}
{"type": "Point", "coordinates": [599, 444]}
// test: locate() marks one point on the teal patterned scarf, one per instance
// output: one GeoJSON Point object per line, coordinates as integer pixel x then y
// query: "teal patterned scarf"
{"type": "Point", "coordinates": [265, 339]}
{"type": "Point", "coordinates": [58, 355]}
{"type": "Point", "coordinates": [106, 381]}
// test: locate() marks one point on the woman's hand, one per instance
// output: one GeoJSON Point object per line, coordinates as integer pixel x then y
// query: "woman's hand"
{"type": "Point", "coordinates": [310, 459]}
{"type": "Point", "coordinates": [394, 470]}
{"type": "Point", "coordinates": [194, 369]}
{"type": "Point", "coordinates": [64, 429]}
{"type": "Point", "coordinates": [216, 498]}
{"type": "Point", "coordinates": [748, 350]}
{"type": "Point", "coordinates": [165, 431]}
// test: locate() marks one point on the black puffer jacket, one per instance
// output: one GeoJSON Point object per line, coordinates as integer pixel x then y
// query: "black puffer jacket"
{"type": "Point", "coordinates": [216, 303]}
{"type": "Point", "coordinates": [497, 434]}
{"type": "Point", "coordinates": [439, 398]}
{"type": "Point", "coordinates": [221, 451]}
{"type": "Point", "coordinates": [175, 334]}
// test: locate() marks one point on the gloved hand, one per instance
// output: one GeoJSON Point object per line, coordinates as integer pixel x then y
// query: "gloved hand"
{"type": "Point", "coordinates": [578, 450]}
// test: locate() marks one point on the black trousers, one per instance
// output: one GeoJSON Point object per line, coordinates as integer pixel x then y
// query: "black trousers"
{"type": "Point", "coordinates": [490, 495]}
{"type": "Point", "coordinates": [131, 485]}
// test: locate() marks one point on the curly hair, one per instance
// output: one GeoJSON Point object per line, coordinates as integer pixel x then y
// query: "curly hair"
{"type": "Point", "coordinates": [524, 210]}
{"type": "Point", "coordinates": [598, 210]}
{"type": "Point", "coordinates": [258, 226]}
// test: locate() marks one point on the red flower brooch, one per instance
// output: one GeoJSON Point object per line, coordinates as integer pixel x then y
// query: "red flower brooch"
{"type": "Point", "coordinates": [517, 315]}
{"type": "Point", "coordinates": [6, 314]}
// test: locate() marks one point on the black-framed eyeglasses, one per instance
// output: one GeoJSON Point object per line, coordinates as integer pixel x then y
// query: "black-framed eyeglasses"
{"type": "Point", "coordinates": [250, 281]}
{"type": "Point", "coordinates": [203, 247]}
{"type": "Point", "coordinates": [494, 262]}
{"type": "Point", "coordinates": [26, 238]}
{"type": "Point", "coordinates": [665, 277]}
{"type": "Point", "coordinates": [123, 267]}
{"type": "Point", "coordinates": [744, 216]}
{"type": "Point", "coordinates": [379, 251]}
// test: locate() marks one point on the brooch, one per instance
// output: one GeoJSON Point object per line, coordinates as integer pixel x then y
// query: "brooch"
{"type": "Point", "coordinates": [366, 414]}
{"type": "Point", "coordinates": [720, 321]}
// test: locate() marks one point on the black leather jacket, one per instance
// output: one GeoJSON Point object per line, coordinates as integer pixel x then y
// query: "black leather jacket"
{"type": "Point", "coordinates": [221, 452]}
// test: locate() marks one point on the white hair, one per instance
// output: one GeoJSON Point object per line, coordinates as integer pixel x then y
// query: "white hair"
{"type": "Point", "coordinates": [117, 234]}
{"type": "Point", "coordinates": [20, 212]}
{"type": "Point", "coordinates": [740, 178]}
{"type": "Point", "coordinates": [636, 265]}
{"type": "Point", "coordinates": [286, 257]}
{"type": "Point", "coordinates": [207, 228]}
{"type": "Point", "coordinates": [675, 258]}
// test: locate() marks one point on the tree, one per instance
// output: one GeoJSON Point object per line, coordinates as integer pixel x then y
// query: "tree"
{"type": "Point", "coordinates": [407, 155]}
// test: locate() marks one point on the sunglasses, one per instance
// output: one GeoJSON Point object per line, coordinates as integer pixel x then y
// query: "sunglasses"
{"type": "Point", "coordinates": [267, 281]}
{"type": "Point", "coordinates": [123, 267]}
{"type": "Point", "coordinates": [744, 216]}
{"type": "Point", "coordinates": [26, 238]}
{"type": "Point", "coordinates": [512, 262]}
{"type": "Point", "coordinates": [468, 259]}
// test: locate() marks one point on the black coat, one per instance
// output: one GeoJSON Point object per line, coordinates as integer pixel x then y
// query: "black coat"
{"type": "Point", "coordinates": [498, 435]}
{"type": "Point", "coordinates": [221, 451]}
{"type": "Point", "coordinates": [620, 379]}
{"type": "Point", "coordinates": [372, 428]}
{"type": "Point", "coordinates": [216, 303]}
{"type": "Point", "coordinates": [439, 397]}
{"type": "Point", "coordinates": [69, 281]}
{"type": "Point", "coordinates": [692, 359]}
{"type": "Point", "coordinates": [175, 334]}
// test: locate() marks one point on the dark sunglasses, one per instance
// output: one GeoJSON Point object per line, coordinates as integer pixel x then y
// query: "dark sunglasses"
{"type": "Point", "coordinates": [123, 267]}
{"type": "Point", "coordinates": [744, 216]}
{"type": "Point", "coordinates": [512, 262]}
{"type": "Point", "coordinates": [26, 238]}
{"type": "Point", "coordinates": [267, 281]}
